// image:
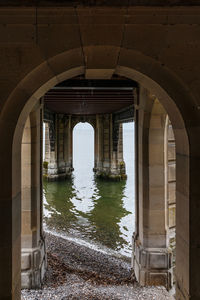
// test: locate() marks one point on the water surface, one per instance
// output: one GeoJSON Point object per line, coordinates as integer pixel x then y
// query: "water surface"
{"type": "Point", "coordinates": [92, 211]}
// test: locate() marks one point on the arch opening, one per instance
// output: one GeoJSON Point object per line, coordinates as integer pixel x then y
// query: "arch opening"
{"type": "Point", "coordinates": [83, 139]}
{"type": "Point", "coordinates": [96, 211]}
{"type": "Point", "coordinates": [17, 129]}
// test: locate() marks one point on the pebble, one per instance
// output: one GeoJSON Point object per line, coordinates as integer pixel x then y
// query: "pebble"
{"type": "Point", "coordinates": [76, 272]}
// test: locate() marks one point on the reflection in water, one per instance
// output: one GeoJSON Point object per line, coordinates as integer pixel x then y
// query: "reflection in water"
{"type": "Point", "coordinates": [106, 214]}
{"type": "Point", "coordinates": [93, 210]}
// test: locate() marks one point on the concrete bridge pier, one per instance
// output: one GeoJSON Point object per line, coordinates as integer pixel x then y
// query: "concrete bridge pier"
{"type": "Point", "coordinates": [50, 168]}
{"type": "Point", "coordinates": [64, 146]}
{"type": "Point", "coordinates": [33, 254]}
{"type": "Point", "coordinates": [58, 158]}
{"type": "Point", "coordinates": [58, 147]}
{"type": "Point", "coordinates": [109, 162]}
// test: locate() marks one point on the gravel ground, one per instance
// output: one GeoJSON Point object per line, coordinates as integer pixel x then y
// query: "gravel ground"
{"type": "Point", "coordinates": [77, 272]}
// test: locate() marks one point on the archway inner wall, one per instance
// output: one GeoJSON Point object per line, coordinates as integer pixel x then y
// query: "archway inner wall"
{"type": "Point", "coordinates": [32, 63]}
{"type": "Point", "coordinates": [33, 99]}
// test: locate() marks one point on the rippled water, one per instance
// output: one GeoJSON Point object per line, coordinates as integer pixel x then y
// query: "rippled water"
{"type": "Point", "coordinates": [94, 212]}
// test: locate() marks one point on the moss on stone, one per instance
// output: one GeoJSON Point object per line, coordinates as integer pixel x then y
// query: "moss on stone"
{"type": "Point", "coordinates": [45, 165]}
{"type": "Point", "coordinates": [111, 177]}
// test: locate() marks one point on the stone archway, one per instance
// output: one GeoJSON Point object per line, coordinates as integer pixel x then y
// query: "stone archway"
{"type": "Point", "coordinates": [79, 140]}
{"type": "Point", "coordinates": [91, 127]}
{"type": "Point", "coordinates": [158, 81]}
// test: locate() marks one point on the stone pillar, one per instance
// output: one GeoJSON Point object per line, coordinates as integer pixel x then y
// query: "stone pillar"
{"type": "Point", "coordinates": [50, 166]}
{"type": "Point", "coordinates": [98, 143]}
{"type": "Point", "coordinates": [62, 173]}
{"type": "Point", "coordinates": [170, 192]}
{"type": "Point", "coordinates": [118, 165]}
{"type": "Point", "coordinates": [33, 261]}
{"type": "Point", "coordinates": [109, 163]}
{"type": "Point", "coordinates": [58, 138]}
{"type": "Point", "coordinates": [151, 257]}
{"type": "Point", "coordinates": [68, 146]}
{"type": "Point", "coordinates": [47, 151]}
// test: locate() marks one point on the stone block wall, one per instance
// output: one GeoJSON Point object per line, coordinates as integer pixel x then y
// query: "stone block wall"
{"type": "Point", "coordinates": [152, 265]}
{"type": "Point", "coordinates": [57, 163]}
{"type": "Point", "coordinates": [109, 149]}
{"type": "Point", "coordinates": [33, 266]}
{"type": "Point", "coordinates": [152, 260]}
{"type": "Point", "coordinates": [171, 193]}
{"type": "Point", "coordinates": [33, 253]}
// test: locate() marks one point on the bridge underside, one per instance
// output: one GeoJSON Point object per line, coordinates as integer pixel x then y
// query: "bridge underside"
{"type": "Point", "coordinates": [156, 43]}
{"type": "Point", "coordinates": [90, 97]}
{"type": "Point", "coordinates": [106, 105]}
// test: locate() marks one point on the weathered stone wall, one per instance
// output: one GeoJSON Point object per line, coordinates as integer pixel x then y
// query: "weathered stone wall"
{"type": "Point", "coordinates": [33, 254]}
{"type": "Point", "coordinates": [57, 163]}
{"type": "Point", "coordinates": [47, 147]}
{"type": "Point", "coordinates": [171, 192]}
{"type": "Point", "coordinates": [109, 162]}
{"type": "Point", "coordinates": [109, 153]}
{"type": "Point", "coordinates": [152, 259]}
{"type": "Point", "coordinates": [50, 165]}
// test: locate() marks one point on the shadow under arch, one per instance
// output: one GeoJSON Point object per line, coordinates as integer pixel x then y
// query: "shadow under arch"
{"type": "Point", "coordinates": [171, 92]}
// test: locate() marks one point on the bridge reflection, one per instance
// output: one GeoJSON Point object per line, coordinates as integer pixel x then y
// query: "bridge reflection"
{"type": "Point", "coordinates": [91, 212]}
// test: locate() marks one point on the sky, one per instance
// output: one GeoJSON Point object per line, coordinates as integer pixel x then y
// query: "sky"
{"type": "Point", "coordinates": [86, 126]}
